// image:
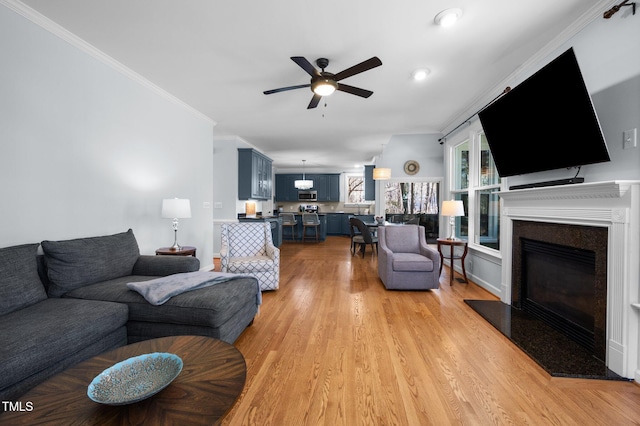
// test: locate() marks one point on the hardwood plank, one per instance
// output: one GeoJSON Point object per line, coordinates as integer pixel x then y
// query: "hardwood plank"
{"type": "Point", "coordinates": [333, 347]}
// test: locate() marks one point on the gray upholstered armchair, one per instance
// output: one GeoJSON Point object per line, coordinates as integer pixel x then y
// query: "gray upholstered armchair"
{"type": "Point", "coordinates": [405, 261]}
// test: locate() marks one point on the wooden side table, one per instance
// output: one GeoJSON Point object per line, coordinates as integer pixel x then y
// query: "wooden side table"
{"type": "Point", "coordinates": [211, 381]}
{"type": "Point", "coordinates": [452, 244]}
{"type": "Point", "coordinates": [168, 251]}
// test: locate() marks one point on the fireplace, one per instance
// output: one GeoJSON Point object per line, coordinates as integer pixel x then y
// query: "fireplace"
{"type": "Point", "coordinates": [559, 276]}
{"type": "Point", "coordinates": [600, 220]}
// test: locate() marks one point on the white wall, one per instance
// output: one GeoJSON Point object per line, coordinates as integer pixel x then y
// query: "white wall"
{"type": "Point", "coordinates": [88, 151]}
{"type": "Point", "coordinates": [226, 204]}
{"type": "Point", "coordinates": [423, 148]}
{"type": "Point", "coordinates": [607, 52]}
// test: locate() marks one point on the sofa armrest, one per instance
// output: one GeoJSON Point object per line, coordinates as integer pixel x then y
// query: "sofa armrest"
{"type": "Point", "coordinates": [160, 266]}
{"type": "Point", "coordinates": [274, 253]}
{"type": "Point", "coordinates": [431, 253]}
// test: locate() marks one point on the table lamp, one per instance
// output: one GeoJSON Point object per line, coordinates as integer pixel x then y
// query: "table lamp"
{"type": "Point", "coordinates": [452, 209]}
{"type": "Point", "coordinates": [176, 208]}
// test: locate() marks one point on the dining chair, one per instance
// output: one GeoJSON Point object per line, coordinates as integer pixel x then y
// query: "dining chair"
{"type": "Point", "coordinates": [361, 236]}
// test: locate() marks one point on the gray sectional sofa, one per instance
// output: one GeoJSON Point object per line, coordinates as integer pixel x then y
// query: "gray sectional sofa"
{"type": "Point", "coordinates": [62, 302]}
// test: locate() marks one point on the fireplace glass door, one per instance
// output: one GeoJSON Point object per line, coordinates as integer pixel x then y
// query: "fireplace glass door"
{"type": "Point", "coordinates": [558, 286]}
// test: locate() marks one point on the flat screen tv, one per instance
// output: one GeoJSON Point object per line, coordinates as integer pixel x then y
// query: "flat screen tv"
{"type": "Point", "coordinates": [547, 122]}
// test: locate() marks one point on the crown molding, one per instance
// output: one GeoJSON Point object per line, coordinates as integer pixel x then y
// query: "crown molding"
{"type": "Point", "coordinates": [64, 34]}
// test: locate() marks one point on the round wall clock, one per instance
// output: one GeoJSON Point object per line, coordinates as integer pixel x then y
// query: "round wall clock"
{"type": "Point", "coordinates": [411, 167]}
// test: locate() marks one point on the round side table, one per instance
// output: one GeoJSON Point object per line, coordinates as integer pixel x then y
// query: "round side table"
{"type": "Point", "coordinates": [452, 244]}
{"type": "Point", "coordinates": [184, 251]}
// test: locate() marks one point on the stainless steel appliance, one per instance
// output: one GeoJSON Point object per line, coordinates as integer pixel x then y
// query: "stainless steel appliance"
{"type": "Point", "coordinates": [307, 195]}
{"type": "Point", "coordinates": [308, 208]}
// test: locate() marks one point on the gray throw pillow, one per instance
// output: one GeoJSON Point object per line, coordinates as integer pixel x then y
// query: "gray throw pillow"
{"type": "Point", "coordinates": [20, 285]}
{"type": "Point", "coordinates": [76, 263]}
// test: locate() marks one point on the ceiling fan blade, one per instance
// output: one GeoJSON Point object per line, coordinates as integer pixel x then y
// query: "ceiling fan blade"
{"type": "Point", "coordinates": [354, 90]}
{"type": "Point", "coordinates": [284, 89]}
{"type": "Point", "coordinates": [306, 65]}
{"type": "Point", "coordinates": [314, 101]}
{"type": "Point", "coordinates": [357, 69]}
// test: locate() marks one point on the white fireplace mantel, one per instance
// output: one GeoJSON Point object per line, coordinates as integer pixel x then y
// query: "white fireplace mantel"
{"type": "Point", "coordinates": [614, 205]}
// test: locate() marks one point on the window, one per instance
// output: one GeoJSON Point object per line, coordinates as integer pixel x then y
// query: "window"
{"type": "Point", "coordinates": [355, 190]}
{"type": "Point", "coordinates": [475, 181]}
{"type": "Point", "coordinates": [411, 197]}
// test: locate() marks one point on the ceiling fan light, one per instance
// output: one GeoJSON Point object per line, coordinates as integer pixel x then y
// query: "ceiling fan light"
{"type": "Point", "coordinates": [448, 17]}
{"type": "Point", "coordinates": [324, 87]}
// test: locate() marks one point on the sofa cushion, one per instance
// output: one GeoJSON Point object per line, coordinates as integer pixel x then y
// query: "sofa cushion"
{"type": "Point", "coordinates": [41, 335]}
{"type": "Point", "coordinates": [250, 264]}
{"type": "Point", "coordinates": [411, 262]}
{"type": "Point", "coordinates": [402, 238]}
{"type": "Point", "coordinates": [75, 263]}
{"type": "Point", "coordinates": [20, 285]}
{"type": "Point", "coordinates": [208, 306]}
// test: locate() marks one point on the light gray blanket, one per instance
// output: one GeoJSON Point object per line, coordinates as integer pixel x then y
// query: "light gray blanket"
{"type": "Point", "coordinates": [159, 290]}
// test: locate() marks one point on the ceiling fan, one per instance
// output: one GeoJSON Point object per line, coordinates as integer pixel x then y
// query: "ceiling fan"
{"type": "Point", "coordinates": [324, 83]}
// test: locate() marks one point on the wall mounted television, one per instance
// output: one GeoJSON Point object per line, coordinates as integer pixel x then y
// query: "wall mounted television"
{"type": "Point", "coordinates": [547, 122]}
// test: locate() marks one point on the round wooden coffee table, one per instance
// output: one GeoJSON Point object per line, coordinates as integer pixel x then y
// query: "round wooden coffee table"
{"type": "Point", "coordinates": [212, 378]}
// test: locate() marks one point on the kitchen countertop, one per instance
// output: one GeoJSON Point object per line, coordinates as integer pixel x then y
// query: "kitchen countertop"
{"type": "Point", "coordinates": [256, 217]}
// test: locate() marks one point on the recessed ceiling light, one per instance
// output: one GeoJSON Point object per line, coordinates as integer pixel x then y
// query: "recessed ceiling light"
{"type": "Point", "coordinates": [448, 17]}
{"type": "Point", "coordinates": [420, 74]}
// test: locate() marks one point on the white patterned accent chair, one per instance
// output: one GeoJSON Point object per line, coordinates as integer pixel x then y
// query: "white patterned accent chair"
{"type": "Point", "coordinates": [247, 248]}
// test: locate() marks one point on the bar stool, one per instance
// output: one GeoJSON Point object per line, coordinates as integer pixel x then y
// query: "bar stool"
{"type": "Point", "coordinates": [310, 220]}
{"type": "Point", "coordinates": [289, 219]}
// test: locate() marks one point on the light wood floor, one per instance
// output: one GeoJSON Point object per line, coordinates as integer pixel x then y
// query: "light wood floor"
{"type": "Point", "coordinates": [333, 347]}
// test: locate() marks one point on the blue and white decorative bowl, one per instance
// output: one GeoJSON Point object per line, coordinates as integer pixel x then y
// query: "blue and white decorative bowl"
{"type": "Point", "coordinates": [135, 379]}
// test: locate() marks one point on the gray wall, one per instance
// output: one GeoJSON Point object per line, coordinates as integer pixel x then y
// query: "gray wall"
{"type": "Point", "coordinates": [607, 51]}
{"type": "Point", "coordinates": [86, 150]}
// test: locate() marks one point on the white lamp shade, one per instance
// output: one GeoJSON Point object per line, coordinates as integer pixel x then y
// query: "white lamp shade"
{"type": "Point", "coordinates": [381, 173]}
{"type": "Point", "coordinates": [452, 208]}
{"type": "Point", "coordinates": [303, 184]}
{"type": "Point", "coordinates": [324, 87]}
{"type": "Point", "coordinates": [176, 208]}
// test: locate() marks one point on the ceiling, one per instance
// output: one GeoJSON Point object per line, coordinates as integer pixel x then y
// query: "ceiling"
{"type": "Point", "coordinates": [219, 57]}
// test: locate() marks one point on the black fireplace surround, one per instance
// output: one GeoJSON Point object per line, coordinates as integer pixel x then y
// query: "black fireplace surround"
{"type": "Point", "coordinates": [562, 323]}
{"type": "Point", "coordinates": [567, 267]}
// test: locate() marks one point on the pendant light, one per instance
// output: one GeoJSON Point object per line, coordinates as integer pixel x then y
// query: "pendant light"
{"type": "Point", "coordinates": [304, 183]}
{"type": "Point", "coordinates": [381, 173]}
